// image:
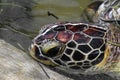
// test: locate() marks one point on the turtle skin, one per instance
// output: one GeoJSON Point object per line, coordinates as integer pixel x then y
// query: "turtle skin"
{"type": "Point", "coordinates": [73, 46]}
{"type": "Point", "coordinates": [109, 11]}
{"type": "Point", "coordinates": [103, 12]}
{"type": "Point", "coordinates": [107, 14]}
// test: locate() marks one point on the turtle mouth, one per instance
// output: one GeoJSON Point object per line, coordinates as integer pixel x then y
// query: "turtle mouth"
{"type": "Point", "coordinates": [35, 52]}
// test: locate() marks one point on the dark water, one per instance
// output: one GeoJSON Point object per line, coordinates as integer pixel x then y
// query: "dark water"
{"type": "Point", "coordinates": [20, 21]}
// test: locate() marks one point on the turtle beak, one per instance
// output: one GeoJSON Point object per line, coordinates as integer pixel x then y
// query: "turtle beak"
{"type": "Point", "coordinates": [34, 52]}
{"type": "Point", "coordinates": [32, 48]}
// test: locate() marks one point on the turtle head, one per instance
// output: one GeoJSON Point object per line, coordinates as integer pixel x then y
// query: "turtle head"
{"type": "Point", "coordinates": [46, 50]}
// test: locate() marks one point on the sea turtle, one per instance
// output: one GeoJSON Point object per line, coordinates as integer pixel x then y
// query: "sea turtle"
{"type": "Point", "coordinates": [78, 47]}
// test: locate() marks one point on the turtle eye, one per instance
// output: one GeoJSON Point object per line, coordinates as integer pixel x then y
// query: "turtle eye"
{"type": "Point", "coordinates": [52, 52]}
{"type": "Point", "coordinates": [52, 49]}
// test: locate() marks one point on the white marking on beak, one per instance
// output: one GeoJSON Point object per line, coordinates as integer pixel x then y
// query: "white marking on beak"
{"type": "Point", "coordinates": [32, 45]}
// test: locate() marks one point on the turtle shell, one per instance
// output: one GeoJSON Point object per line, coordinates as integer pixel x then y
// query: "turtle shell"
{"type": "Point", "coordinates": [109, 16]}
{"type": "Point", "coordinates": [103, 12]}
{"type": "Point", "coordinates": [72, 46]}
{"type": "Point", "coordinates": [109, 11]}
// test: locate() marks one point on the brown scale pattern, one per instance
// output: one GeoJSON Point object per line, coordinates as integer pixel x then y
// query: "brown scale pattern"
{"type": "Point", "coordinates": [76, 28]}
{"type": "Point", "coordinates": [64, 36]}
{"type": "Point", "coordinates": [114, 36]}
{"type": "Point", "coordinates": [94, 32]}
{"type": "Point", "coordinates": [81, 38]}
